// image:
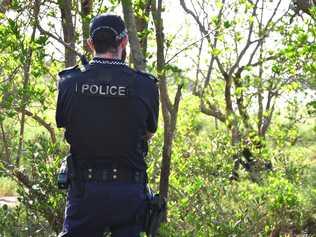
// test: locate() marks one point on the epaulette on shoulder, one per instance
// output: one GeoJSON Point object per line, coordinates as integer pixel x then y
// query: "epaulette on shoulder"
{"type": "Point", "coordinates": [148, 75]}
{"type": "Point", "coordinates": [69, 71]}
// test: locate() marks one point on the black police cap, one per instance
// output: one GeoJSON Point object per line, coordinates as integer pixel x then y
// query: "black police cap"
{"type": "Point", "coordinates": [110, 22]}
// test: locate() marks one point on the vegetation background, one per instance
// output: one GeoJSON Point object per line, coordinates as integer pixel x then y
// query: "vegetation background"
{"type": "Point", "coordinates": [235, 152]}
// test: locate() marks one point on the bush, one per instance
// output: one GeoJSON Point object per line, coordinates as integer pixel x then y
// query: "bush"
{"type": "Point", "coordinates": [19, 222]}
{"type": "Point", "coordinates": [41, 204]}
{"type": "Point", "coordinates": [202, 199]}
{"type": "Point", "coordinates": [204, 202]}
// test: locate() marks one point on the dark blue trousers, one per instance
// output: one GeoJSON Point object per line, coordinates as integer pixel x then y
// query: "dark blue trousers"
{"type": "Point", "coordinates": [115, 207]}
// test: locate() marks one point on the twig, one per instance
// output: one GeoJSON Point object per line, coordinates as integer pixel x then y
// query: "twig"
{"type": "Point", "coordinates": [171, 40]}
{"type": "Point", "coordinates": [11, 76]}
{"type": "Point", "coordinates": [58, 39]}
{"type": "Point", "coordinates": [187, 47]}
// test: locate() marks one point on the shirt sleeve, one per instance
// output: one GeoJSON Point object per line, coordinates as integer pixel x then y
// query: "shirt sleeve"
{"type": "Point", "coordinates": [154, 114]}
{"type": "Point", "coordinates": [60, 117]}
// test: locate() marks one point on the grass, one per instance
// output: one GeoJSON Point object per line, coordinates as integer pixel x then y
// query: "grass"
{"type": "Point", "coordinates": [7, 187]}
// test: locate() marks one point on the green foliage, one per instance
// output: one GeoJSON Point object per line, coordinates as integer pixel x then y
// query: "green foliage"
{"type": "Point", "coordinates": [7, 187]}
{"type": "Point", "coordinates": [19, 222]}
{"type": "Point", "coordinates": [40, 204]}
{"type": "Point", "coordinates": [43, 199]}
{"type": "Point", "coordinates": [204, 202]}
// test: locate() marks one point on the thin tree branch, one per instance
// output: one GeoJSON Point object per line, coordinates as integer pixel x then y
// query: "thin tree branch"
{"type": "Point", "coordinates": [26, 80]}
{"type": "Point", "coordinates": [11, 76]}
{"type": "Point", "coordinates": [175, 109]}
{"type": "Point", "coordinates": [212, 110]}
{"type": "Point", "coordinates": [187, 47]}
{"type": "Point", "coordinates": [59, 40]}
{"type": "Point", "coordinates": [164, 95]}
{"type": "Point", "coordinates": [5, 142]}
{"type": "Point", "coordinates": [248, 43]}
{"type": "Point", "coordinates": [196, 18]}
{"type": "Point", "coordinates": [42, 122]}
{"type": "Point", "coordinates": [210, 69]}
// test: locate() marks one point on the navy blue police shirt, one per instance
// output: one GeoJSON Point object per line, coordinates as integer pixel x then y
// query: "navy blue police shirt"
{"type": "Point", "coordinates": [106, 111]}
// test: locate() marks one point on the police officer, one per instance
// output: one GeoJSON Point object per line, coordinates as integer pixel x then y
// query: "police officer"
{"type": "Point", "coordinates": [109, 111]}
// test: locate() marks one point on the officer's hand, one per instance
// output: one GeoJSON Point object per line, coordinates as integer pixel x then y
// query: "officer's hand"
{"type": "Point", "coordinates": [149, 135]}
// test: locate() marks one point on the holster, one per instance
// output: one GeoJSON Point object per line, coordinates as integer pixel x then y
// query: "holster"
{"type": "Point", "coordinates": [156, 209]}
{"type": "Point", "coordinates": [63, 177]}
{"type": "Point", "coordinates": [69, 175]}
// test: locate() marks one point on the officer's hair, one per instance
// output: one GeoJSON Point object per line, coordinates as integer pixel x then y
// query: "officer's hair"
{"type": "Point", "coordinates": [105, 41]}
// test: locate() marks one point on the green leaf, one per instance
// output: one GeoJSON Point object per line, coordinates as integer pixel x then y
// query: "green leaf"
{"type": "Point", "coordinates": [219, 4]}
{"type": "Point", "coordinates": [227, 24]}
{"type": "Point", "coordinates": [216, 52]}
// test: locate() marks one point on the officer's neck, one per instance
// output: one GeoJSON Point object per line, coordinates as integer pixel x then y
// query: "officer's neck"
{"type": "Point", "coordinates": [109, 55]}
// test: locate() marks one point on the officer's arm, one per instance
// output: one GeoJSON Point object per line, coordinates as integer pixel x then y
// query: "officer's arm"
{"type": "Point", "coordinates": [60, 120]}
{"type": "Point", "coordinates": [65, 80]}
{"type": "Point", "coordinates": [153, 117]}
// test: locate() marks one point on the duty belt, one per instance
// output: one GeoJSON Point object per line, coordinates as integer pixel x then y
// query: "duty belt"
{"type": "Point", "coordinates": [113, 174]}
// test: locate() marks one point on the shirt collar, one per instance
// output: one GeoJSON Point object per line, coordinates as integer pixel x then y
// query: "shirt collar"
{"type": "Point", "coordinates": [108, 61]}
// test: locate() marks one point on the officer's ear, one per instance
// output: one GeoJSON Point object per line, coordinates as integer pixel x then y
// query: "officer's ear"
{"type": "Point", "coordinates": [124, 42]}
{"type": "Point", "coordinates": [90, 44]}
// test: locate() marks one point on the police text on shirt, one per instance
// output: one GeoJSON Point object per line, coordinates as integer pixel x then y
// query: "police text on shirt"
{"type": "Point", "coordinates": [102, 90]}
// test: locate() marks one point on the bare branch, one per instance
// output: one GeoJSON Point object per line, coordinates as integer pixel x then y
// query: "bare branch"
{"type": "Point", "coordinates": [206, 34]}
{"type": "Point", "coordinates": [272, 16]}
{"type": "Point", "coordinates": [198, 70]}
{"type": "Point", "coordinates": [267, 121]}
{"type": "Point", "coordinates": [176, 103]}
{"type": "Point", "coordinates": [196, 18]}
{"type": "Point", "coordinates": [212, 110]}
{"type": "Point", "coordinates": [214, 45]}
{"type": "Point", "coordinates": [42, 122]}
{"type": "Point", "coordinates": [59, 40]}
{"type": "Point", "coordinates": [260, 89]}
{"type": "Point", "coordinates": [164, 95]}
{"type": "Point", "coordinates": [187, 47]}
{"type": "Point", "coordinates": [26, 81]}
{"type": "Point", "coordinates": [221, 68]}
{"type": "Point", "coordinates": [248, 43]}
{"type": "Point", "coordinates": [11, 76]}
{"type": "Point", "coordinates": [240, 69]}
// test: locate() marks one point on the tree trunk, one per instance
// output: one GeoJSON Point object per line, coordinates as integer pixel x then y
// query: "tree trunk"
{"type": "Point", "coordinates": [86, 9]}
{"type": "Point", "coordinates": [137, 56]}
{"type": "Point", "coordinates": [26, 82]}
{"type": "Point", "coordinates": [5, 143]}
{"type": "Point", "coordinates": [166, 161]}
{"type": "Point", "coordinates": [142, 25]}
{"type": "Point", "coordinates": [68, 31]}
{"type": "Point", "coordinates": [305, 5]}
{"type": "Point", "coordinates": [169, 111]}
{"type": "Point", "coordinates": [4, 5]}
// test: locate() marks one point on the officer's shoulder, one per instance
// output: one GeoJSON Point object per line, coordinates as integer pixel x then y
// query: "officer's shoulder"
{"type": "Point", "coordinates": [68, 75]}
{"type": "Point", "coordinates": [147, 76]}
{"type": "Point", "coordinates": [69, 72]}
